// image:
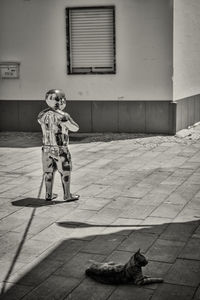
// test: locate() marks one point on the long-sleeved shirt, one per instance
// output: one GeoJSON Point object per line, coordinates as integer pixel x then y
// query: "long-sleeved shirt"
{"type": "Point", "coordinates": [55, 127]}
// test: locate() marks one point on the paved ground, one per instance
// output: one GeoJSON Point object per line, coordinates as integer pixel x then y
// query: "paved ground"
{"type": "Point", "coordinates": [137, 191]}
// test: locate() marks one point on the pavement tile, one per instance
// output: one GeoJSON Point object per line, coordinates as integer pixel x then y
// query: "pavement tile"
{"type": "Point", "coordinates": [31, 250]}
{"type": "Point", "coordinates": [184, 272]}
{"type": "Point", "coordinates": [9, 242]}
{"type": "Point", "coordinates": [32, 274]}
{"type": "Point", "coordinates": [137, 191]}
{"type": "Point", "coordinates": [190, 251]}
{"type": "Point", "coordinates": [104, 244]}
{"type": "Point", "coordinates": [137, 212]}
{"type": "Point", "coordinates": [87, 232]}
{"type": "Point", "coordinates": [92, 190]}
{"type": "Point", "coordinates": [138, 240]}
{"type": "Point", "coordinates": [122, 226]}
{"type": "Point", "coordinates": [105, 216]}
{"type": "Point", "coordinates": [165, 250]}
{"type": "Point", "coordinates": [166, 189]}
{"type": "Point", "coordinates": [55, 287]}
{"type": "Point", "coordinates": [179, 231]}
{"type": "Point", "coordinates": [93, 203]}
{"type": "Point", "coordinates": [196, 234]}
{"type": "Point", "coordinates": [188, 191]}
{"type": "Point", "coordinates": [194, 203]}
{"type": "Point", "coordinates": [130, 293]}
{"type": "Point", "coordinates": [7, 268]}
{"type": "Point", "coordinates": [153, 199]}
{"type": "Point", "coordinates": [185, 173]}
{"type": "Point", "coordinates": [173, 292]}
{"type": "Point", "coordinates": [54, 232]}
{"type": "Point", "coordinates": [38, 224]}
{"type": "Point", "coordinates": [173, 180]}
{"type": "Point", "coordinates": [4, 187]}
{"type": "Point", "coordinates": [4, 213]}
{"type": "Point", "coordinates": [176, 198]}
{"type": "Point", "coordinates": [110, 192]}
{"type": "Point", "coordinates": [15, 291]}
{"type": "Point", "coordinates": [90, 290]}
{"type": "Point", "coordinates": [190, 165]}
{"type": "Point", "coordinates": [25, 213]}
{"type": "Point", "coordinates": [77, 215]}
{"type": "Point", "coordinates": [119, 256]}
{"type": "Point", "coordinates": [156, 269]}
{"type": "Point", "coordinates": [193, 179]}
{"type": "Point", "coordinates": [167, 210]}
{"type": "Point", "coordinates": [9, 223]}
{"type": "Point", "coordinates": [154, 225]}
{"type": "Point", "coordinates": [64, 251]}
{"type": "Point", "coordinates": [189, 214]}
{"type": "Point", "coordinates": [155, 178]}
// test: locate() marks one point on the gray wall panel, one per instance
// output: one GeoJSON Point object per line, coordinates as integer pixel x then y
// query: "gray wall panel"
{"type": "Point", "coordinates": [157, 117]}
{"type": "Point", "coordinates": [197, 109]}
{"type": "Point", "coordinates": [184, 113]}
{"type": "Point", "coordinates": [9, 116]}
{"type": "Point", "coordinates": [105, 116]}
{"type": "Point", "coordinates": [191, 110]}
{"type": "Point", "coordinates": [28, 112]}
{"type": "Point", "coordinates": [81, 112]}
{"type": "Point", "coordinates": [132, 116]}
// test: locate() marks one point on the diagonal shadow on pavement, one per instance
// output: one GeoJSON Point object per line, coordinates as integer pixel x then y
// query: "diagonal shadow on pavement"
{"type": "Point", "coordinates": [172, 249]}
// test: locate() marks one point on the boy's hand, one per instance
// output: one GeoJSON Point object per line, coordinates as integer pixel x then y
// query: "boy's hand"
{"type": "Point", "coordinates": [65, 116]}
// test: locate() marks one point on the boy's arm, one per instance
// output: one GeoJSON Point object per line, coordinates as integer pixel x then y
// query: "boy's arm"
{"type": "Point", "coordinates": [72, 125]}
{"type": "Point", "coordinates": [67, 121]}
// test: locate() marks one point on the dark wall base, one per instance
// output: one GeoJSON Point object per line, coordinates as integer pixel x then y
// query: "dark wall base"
{"type": "Point", "coordinates": [108, 116]}
{"type": "Point", "coordinates": [187, 112]}
{"type": "Point", "coordinates": [95, 116]}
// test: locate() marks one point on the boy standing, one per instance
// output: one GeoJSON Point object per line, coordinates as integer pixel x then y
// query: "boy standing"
{"type": "Point", "coordinates": [55, 153]}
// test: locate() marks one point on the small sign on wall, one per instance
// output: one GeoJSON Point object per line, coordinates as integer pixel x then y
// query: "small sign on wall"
{"type": "Point", "coordinates": [9, 70]}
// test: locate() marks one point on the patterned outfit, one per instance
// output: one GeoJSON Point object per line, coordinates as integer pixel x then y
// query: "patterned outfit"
{"type": "Point", "coordinates": [55, 152]}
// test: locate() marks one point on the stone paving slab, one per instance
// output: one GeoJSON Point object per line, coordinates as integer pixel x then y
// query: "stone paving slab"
{"type": "Point", "coordinates": [130, 293]}
{"type": "Point", "coordinates": [55, 287]}
{"type": "Point", "coordinates": [173, 292]}
{"type": "Point", "coordinates": [184, 272]}
{"type": "Point", "coordinates": [89, 290]}
{"type": "Point", "coordinates": [165, 250]}
{"type": "Point", "coordinates": [136, 191]}
{"type": "Point", "coordinates": [138, 240]}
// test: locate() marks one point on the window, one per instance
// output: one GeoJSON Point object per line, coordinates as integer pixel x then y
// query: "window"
{"type": "Point", "coordinates": [91, 40]}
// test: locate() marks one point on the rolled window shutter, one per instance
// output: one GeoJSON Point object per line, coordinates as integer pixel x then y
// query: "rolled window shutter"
{"type": "Point", "coordinates": [91, 33]}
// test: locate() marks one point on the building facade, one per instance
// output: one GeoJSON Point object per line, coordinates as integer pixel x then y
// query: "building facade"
{"type": "Point", "coordinates": [142, 72]}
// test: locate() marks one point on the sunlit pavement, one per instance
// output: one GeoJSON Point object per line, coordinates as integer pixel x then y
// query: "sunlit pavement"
{"type": "Point", "coordinates": [136, 191]}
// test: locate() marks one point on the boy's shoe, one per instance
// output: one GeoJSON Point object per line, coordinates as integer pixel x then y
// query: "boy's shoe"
{"type": "Point", "coordinates": [54, 196]}
{"type": "Point", "coordinates": [73, 197]}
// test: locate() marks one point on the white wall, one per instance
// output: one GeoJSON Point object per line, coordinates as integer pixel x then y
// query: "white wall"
{"type": "Point", "coordinates": [33, 32]}
{"type": "Point", "coordinates": [186, 48]}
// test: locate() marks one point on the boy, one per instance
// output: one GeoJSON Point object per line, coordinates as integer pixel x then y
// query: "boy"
{"type": "Point", "coordinates": [55, 153]}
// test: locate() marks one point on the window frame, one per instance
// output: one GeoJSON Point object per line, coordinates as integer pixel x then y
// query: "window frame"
{"type": "Point", "coordinates": [69, 61]}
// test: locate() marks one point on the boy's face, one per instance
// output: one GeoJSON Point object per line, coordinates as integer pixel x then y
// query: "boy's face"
{"type": "Point", "coordinates": [61, 104]}
{"type": "Point", "coordinates": [56, 102]}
